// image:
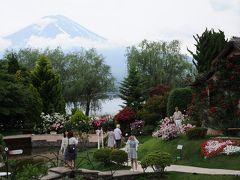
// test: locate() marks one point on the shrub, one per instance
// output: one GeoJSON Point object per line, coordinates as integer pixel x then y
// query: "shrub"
{"type": "Point", "coordinates": [103, 155]}
{"type": "Point", "coordinates": [180, 97]}
{"type": "Point", "coordinates": [136, 127]}
{"type": "Point", "coordinates": [148, 129]}
{"type": "Point", "coordinates": [119, 156]}
{"type": "Point", "coordinates": [2, 144]}
{"type": "Point", "coordinates": [80, 121]}
{"type": "Point", "coordinates": [168, 130]}
{"type": "Point", "coordinates": [106, 155]}
{"type": "Point", "coordinates": [157, 161]}
{"type": "Point", "coordinates": [196, 133]}
{"type": "Point", "coordinates": [154, 109]}
{"type": "Point", "coordinates": [30, 171]}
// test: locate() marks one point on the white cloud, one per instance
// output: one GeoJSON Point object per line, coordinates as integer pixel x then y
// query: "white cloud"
{"type": "Point", "coordinates": [64, 41]}
{"type": "Point", "coordinates": [4, 44]}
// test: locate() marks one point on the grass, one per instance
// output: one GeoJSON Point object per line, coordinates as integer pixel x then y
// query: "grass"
{"type": "Point", "coordinates": [85, 160]}
{"type": "Point", "coordinates": [191, 154]}
{"type": "Point", "coordinates": [187, 176]}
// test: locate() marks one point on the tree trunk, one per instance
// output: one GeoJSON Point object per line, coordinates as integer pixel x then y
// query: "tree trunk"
{"type": "Point", "coordinates": [87, 107]}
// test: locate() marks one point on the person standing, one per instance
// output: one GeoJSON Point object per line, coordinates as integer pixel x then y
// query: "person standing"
{"type": "Point", "coordinates": [132, 146]}
{"type": "Point", "coordinates": [177, 118]}
{"type": "Point", "coordinates": [64, 143]}
{"type": "Point", "coordinates": [118, 135]}
{"type": "Point", "coordinates": [71, 150]}
{"type": "Point", "coordinates": [111, 138]}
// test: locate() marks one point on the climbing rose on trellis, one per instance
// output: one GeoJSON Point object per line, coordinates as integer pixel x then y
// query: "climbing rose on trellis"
{"type": "Point", "coordinates": [125, 114]}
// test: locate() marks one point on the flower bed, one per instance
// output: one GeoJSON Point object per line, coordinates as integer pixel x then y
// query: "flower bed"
{"type": "Point", "coordinates": [214, 147]}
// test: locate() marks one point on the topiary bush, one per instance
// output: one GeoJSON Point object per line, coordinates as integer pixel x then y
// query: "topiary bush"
{"type": "Point", "coordinates": [196, 133]}
{"type": "Point", "coordinates": [148, 129]}
{"type": "Point", "coordinates": [119, 156]}
{"type": "Point", "coordinates": [107, 155]}
{"type": "Point", "coordinates": [103, 155]}
{"type": "Point", "coordinates": [157, 161]}
{"type": "Point", "coordinates": [180, 97]}
{"type": "Point", "coordinates": [154, 109]}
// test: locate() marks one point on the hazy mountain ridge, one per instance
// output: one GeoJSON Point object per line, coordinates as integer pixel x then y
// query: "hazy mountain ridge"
{"type": "Point", "coordinates": [58, 30]}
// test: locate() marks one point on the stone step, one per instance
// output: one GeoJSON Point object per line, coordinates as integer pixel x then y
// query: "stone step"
{"type": "Point", "coordinates": [51, 176]}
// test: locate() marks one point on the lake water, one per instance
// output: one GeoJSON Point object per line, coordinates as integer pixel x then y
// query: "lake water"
{"type": "Point", "coordinates": [111, 106]}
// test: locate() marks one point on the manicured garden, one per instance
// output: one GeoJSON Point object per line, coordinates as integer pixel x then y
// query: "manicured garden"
{"type": "Point", "coordinates": [191, 153]}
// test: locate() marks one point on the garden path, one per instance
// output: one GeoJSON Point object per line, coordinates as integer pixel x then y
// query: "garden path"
{"type": "Point", "coordinates": [191, 169]}
{"type": "Point", "coordinates": [48, 137]}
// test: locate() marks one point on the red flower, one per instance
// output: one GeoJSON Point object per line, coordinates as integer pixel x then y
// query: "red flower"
{"type": "Point", "coordinates": [125, 114]}
{"type": "Point", "coordinates": [212, 109]}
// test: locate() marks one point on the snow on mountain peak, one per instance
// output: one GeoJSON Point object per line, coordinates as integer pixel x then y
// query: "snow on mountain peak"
{"type": "Point", "coordinates": [51, 28]}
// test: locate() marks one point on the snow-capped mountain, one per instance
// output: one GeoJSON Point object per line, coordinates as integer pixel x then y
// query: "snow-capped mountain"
{"type": "Point", "coordinates": [51, 28]}
{"type": "Point", "coordinates": [60, 31]}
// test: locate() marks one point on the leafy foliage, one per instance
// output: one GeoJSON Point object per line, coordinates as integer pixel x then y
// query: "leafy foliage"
{"type": "Point", "coordinates": [103, 155]}
{"type": "Point", "coordinates": [119, 156]}
{"type": "Point", "coordinates": [154, 109]}
{"type": "Point", "coordinates": [48, 85]}
{"type": "Point", "coordinates": [179, 97]}
{"type": "Point", "coordinates": [157, 161]}
{"type": "Point", "coordinates": [159, 63]}
{"type": "Point", "coordinates": [107, 155]}
{"type": "Point", "coordinates": [126, 114]}
{"type": "Point", "coordinates": [91, 84]}
{"type": "Point", "coordinates": [80, 121]}
{"type": "Point", "coordinates": [196, 133]}
{"type": "Point", "coordinates": [20, 103]}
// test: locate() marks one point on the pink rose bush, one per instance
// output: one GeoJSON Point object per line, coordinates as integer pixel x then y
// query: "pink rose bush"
{"type": "Point", "coordinates": [98, 122]}
{"type": "Point", "coordinates": [168, 129]}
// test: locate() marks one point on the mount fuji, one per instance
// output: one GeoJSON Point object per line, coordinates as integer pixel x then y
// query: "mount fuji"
{"type": "Point", "coordinates": [50, 28]}
{"type": "Point", "coordinates": [60, 31]}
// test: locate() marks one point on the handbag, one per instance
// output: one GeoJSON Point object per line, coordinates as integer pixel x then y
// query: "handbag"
{"type": "Point", "coordinates": [71, 148]}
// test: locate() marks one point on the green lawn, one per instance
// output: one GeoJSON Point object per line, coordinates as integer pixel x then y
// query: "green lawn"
{"type": "Point", "coordinates": [187, 176]}
{"type": "Point", "coordinates": [191, 153]}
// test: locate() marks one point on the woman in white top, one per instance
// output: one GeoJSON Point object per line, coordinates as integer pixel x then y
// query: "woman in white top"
{"type": "Point", "coordinates": [64, 143]}
{"type": "Point", "coordinates": [132, 147]}
{"type": "Point", "coordinates": [177, 117]}
{"type": "Point", "coordinates": [71, 150]}
{"type": "Point", "coordinates": [111, 138]}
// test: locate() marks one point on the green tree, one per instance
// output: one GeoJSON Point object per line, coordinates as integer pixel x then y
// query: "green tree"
{"type": "Point", "coordinates": [208, 46]}
{"type": "Point", "coordinates": [89, 81]}
{"type": "Point", "coordinates": [179, 97]}
{"type": "Point", "coordinates": [131, 90]}
{"type": "Point", "coordinates": [12, 63]}
{"type": "Point", "coordinates": [48, 85]}
{"type": "Point", "coordinates": [20, 107]}
{"type": "Point", "coordinates": [159, 63]}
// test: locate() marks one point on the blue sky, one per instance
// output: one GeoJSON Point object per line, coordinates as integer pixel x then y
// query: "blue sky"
{"type": "Point", "coordinates": [129, 21]}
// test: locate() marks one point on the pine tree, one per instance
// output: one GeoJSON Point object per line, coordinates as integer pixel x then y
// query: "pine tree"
{"type": "Point", "coordinates": [131, 89]}
{"type": "Point", "coordinates": [13, 65]}
{"type": "Point", "coordinates": [208, 46]}
{"type": "Point", "coordinates": [48, 85]}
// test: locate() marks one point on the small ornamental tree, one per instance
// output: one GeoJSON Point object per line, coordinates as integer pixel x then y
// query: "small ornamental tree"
{"type": "Point", "coordinates": [80, 121]}
{"type": "Point", "coordinates": [124, 118]}
{"type": "Point", "coordinates": [180, 97]}
{"type": "Point", "coordinates": [126, 114]}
